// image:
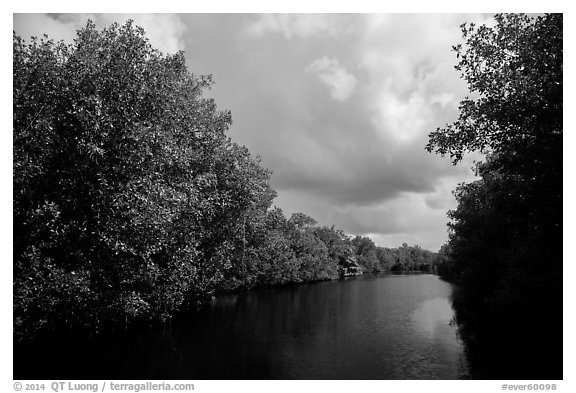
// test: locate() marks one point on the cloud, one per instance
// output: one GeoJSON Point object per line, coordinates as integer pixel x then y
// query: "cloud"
{"type": "Point", "coordinates": [300, 25]}
{"type": "Point", "coordinates": [363, 166]}
{"type": "Point", "coordinates": [355, 157]}
{"type": "Point", "coordinates": [36, 25]}
{"type": "Point", "coordinates": [339, 81]}
{"type": "Point", "coordinates": [406, 218]}
{"type": "Point", "coordinates": [443, 99]}
{"type": "Point", "coordinates": [165, 31]}
{"type": "Point", "coordinates": [409, 65]}
{"type": "Point", "coordinates": [402, 118]}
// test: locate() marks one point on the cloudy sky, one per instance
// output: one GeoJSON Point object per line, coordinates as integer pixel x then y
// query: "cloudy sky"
{"type": "Point", "coordinates": [338, 106]}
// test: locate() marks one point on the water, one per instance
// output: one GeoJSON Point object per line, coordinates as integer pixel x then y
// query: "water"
{"type": "Point", "coordinates": [377, 327]}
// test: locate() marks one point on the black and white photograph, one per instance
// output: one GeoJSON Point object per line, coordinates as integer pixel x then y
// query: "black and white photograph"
{"type": "Point", "coordinates": [230, 196]}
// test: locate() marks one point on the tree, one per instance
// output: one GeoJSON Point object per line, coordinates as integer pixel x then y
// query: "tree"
{"type": "Point", "coordinates": [302, 221]}
{"type": "Point", "coordinates": [515, 70]}
{"type": "Point", "coordinates": [505, 244]}
{"type": "Point", "coordinates": [338, 243]}
{"type": "Point", "coordinates": [127, 190]}
{"type": "Point", "coordinates": [366, 251]}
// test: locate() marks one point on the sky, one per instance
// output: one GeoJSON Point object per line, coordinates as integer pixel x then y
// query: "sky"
{"type": "Point", "coordinates": [338, 106]}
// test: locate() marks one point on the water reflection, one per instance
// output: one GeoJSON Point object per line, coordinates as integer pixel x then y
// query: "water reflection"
{"type": "Point", "coordinates": [379, 327]}
{"type": "Point", "coordinates": [434, 316]}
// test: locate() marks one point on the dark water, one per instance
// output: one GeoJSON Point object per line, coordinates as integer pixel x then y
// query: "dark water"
{"type": "Point", "coordinates": [378, 327]}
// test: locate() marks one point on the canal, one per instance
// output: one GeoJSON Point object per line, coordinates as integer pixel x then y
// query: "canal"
{"type": "Point", "coordinates": [367, 327]}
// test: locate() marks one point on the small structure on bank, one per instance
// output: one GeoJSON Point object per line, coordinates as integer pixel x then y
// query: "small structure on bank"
{"type": "Point", "coordinates": [349, 266]}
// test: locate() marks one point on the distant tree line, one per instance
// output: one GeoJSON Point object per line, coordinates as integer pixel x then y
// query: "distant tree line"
{"type": "Point", "coordinates": [130, 201]}
{"type": "Point", "coordinates": [402, 259]}
{"type": "Point", "coordinates": [505, 247]}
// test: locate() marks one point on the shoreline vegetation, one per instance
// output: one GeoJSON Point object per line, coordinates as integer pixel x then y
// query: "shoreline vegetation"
{"type": "Point", "coordinates": [506, 239]}
{"type": "Point", "coordinates": [131, 203]}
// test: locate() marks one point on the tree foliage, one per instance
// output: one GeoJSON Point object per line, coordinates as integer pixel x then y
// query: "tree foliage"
{"type": "Point", "coordinates": [505, 242]}
{"type": "Point", "coordinates": [126, 187]}
{"type": "Point", "coordinates": [514, 71]}
{"type": "Point", "coordinates": [131, 203]}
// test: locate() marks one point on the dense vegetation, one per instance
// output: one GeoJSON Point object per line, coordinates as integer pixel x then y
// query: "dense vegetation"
{"type": "Point", "coordinates": [505, 246]}
{"type": "Point", "coordinates": [130, 201]}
